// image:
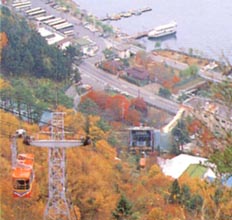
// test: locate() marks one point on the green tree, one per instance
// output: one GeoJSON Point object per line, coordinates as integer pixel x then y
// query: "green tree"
{"type": "Point", "coordinates": [157, 44]}
{"type": "Point", "coordinates": [165, 93]}
{"type": "Point", "coordinates": [191, 71]}
{"type": "Point", "coordinates": [27, 52]}
{"type": "Point", "coordinates": [108, 53]}
{"type": "Point", "coordinates": [180, 134]}
{"type": "Point", "coordinates": [103, 125]}
{"type": "Point", "coordinates": [195, 203]}
{"type": "Point", "coordinates": [88, 107]}
{"type": "Point", "coordinates": [174, 196]}
{"type": "Point", "coordinates": [123, 209]}
{"type": "Point", "coordinates": [185, 195]}
{"type": "Point", "coordinates": [218, 196]}
{"type": "Point", "coordinates": [223, 161]}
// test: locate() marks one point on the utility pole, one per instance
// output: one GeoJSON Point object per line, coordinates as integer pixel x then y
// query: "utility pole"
{"type": "Point", "coordinates": [58, 207]}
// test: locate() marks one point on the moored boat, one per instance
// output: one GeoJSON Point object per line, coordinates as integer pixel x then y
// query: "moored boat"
{"type": "Point", "coordinates": [163, 30]}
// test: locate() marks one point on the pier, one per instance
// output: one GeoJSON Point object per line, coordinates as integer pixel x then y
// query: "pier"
{"type": "Point", "coordinates": [136, 35]}
{"type": "Point", "coordinates": [126, 14]}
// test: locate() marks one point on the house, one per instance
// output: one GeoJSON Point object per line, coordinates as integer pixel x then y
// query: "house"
{"type": "Point", "coordinates": [138, 74]}
{"type": "Point", "coordinates": [88, 47]}
{"type": "Point", "coordinates": [122, 50]}
{"type": "Point", "coordinates": [112, 66]}
{"type": "Point", "coordinates": [216, 116]}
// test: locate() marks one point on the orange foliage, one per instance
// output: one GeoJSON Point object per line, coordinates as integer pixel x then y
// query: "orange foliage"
{"type": "Point", "coordinates": [194, 126]}
{"type": "Point", "coordinates": [100, 98]}
{"type": "Point", "coordinates": [167, 84]}
{"type": "Point", "coordinates": [3, 40]}
{"type": "Point", "coordinates": [133, 117]}
{"type": "Point", "coordinates": [156, 214]}
{"type": "Point", "coordinates": [119, 106]}
{"type": "Point", "coordinates": [206, 136]}
{"type": "Point", "coordinates": [139, 104]}
{"type": "Point", "coordinates": [4, 84]}
{"type": "Point", "coordinates": [175, 79]}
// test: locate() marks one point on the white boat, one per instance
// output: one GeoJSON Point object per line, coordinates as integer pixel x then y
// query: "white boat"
{"type": "Point", "coordinates": [163, 30]}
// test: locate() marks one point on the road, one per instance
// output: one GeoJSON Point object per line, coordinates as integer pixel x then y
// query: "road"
{"type": "Point", "coordinates": [88, 69]}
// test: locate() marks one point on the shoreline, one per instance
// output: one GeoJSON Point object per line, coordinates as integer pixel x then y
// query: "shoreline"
{"type": "Point", "coordinates": [164, 49]}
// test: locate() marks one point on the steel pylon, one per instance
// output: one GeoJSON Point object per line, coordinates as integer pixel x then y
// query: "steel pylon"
{"type": "Point", "coordinates": [58, 207]}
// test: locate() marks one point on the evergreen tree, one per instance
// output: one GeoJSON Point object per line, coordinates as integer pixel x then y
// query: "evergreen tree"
{"type": "Point", "coordinates": [88, 107]}
{"type": "Point", "coordinates": [123, 209]}
{"type": "Point", "coordinates": [174, 192]}
{"type": "Point", "coordinates": [185, 195]}
{"type": "Point", "coordinates": [196, 203]}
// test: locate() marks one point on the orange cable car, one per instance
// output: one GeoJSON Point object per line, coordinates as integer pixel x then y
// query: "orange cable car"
{"type": "Point", "coordinates": [23, 176]}
{"type": "Point", "coordinates": [142, 162]}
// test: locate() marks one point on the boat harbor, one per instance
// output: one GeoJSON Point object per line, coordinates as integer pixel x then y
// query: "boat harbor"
{"type": "Point", "coordinates": [157, 32]}
{"type": "Point", "coordinates": [125, 14]}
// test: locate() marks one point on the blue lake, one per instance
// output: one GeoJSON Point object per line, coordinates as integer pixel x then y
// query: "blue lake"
{"type": "Point", "coordinates": [203, 25]}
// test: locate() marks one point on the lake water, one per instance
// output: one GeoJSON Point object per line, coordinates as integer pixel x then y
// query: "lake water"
{"type": "Point", "coordinates": [203, 25]}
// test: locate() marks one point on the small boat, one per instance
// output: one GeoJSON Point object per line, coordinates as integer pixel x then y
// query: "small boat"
{"type": "Point", "coordinates": [115, 17]}
{"type": "Point", "coordinates": [163, 30]}
{"type": "Point", "coordinates": [126, 14]}
{"type": "Point", "coordinates": [146, 9]}
{"type": "Point", "coordinates": [137, 12]}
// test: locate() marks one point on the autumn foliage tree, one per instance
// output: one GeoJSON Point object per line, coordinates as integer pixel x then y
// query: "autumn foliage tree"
{"type": "Point", "coordinates": [3, 42]}
{"type": "Point", "coordinates": [114, 108]}
{"type": "Point", "coordinates": [139, 104]}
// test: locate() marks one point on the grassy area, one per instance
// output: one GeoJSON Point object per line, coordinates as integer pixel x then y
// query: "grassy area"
{"type": "Point", "coordinates": [189, 82]}
{"type": "Point", "coordinates": [195, 170]}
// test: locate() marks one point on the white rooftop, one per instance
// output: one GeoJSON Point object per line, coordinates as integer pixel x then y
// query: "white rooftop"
{"type": "Point", "coordinates": [176, 166]}
{"type": "Point", "coordinates": [44, 32]}
{"type": "Point", "coordinates": [47, 33]}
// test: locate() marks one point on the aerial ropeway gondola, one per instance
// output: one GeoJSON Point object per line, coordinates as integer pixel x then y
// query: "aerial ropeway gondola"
{"type": "Point", "coordinates": [23, 174]}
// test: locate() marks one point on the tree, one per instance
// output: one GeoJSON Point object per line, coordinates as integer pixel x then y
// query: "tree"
{"type": "Point", "coordinates": [133, 117]}
{"type": "Point", "coordinates": [118, 105]}
{"type": "Point", "coordinates": [109, 54]}
{"type": "Point", "coordinates": [185, 195]}
{"type": "Point", "coordinates": [156, 214]}
{"type": "Point", "coordinates": [139, 104]}
{"type": "Point", "coordinates": [157, 44]}
{"type": "Point", "coordinates": [3, 42]}
{"type": "Point", "coordinates": [27, 52]}
{"type": "Point", "coordinates": [191, 71]}
{"type": "Point", "coordinates": [174, 192]}
{"type": "Point", "coordinates": [180, 133]}
{"type": "Point", "coordinates": [88, 107]}
{"type": "Point", "coordinates": [195, 203]}
{"type": "Point", "coordinates": [165, 92]}
{"type": "Point", "coordinates": [123, 209]}
{"type": "Point", "coordinates": [223, 161]}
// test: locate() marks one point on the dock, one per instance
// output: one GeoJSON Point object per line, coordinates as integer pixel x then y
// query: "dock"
{"type": "Point", "coordinates": [126, 14]}
{"type": "Point", "coordinates": [136, 35]}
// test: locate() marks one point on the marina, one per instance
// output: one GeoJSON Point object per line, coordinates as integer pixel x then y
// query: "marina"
{"type": "Point", "coordinates": [203, 26]}
{"type": "Point", "coordinates": [125, 14]}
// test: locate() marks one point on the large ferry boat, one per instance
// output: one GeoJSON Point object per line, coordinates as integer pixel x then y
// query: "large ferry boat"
{"type": "Point", "coordinates": [163, 30]}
